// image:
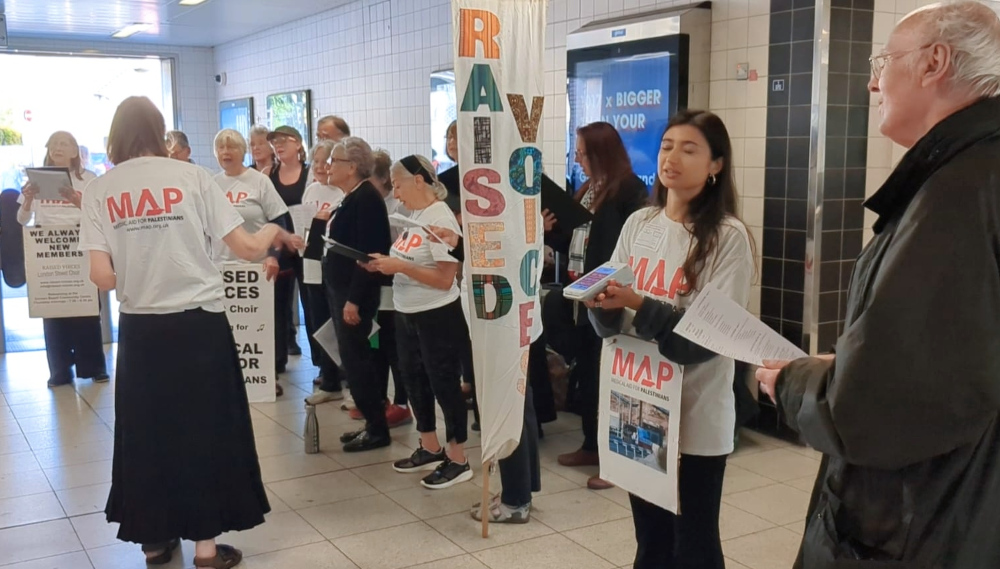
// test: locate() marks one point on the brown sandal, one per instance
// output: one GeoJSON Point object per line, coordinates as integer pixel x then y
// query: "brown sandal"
{"type": "Point", "coordinates": [226, 557]}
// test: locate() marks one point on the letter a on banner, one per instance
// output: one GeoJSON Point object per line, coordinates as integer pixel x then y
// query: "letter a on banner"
{"type": "Point", "coordinates": [499, 50]}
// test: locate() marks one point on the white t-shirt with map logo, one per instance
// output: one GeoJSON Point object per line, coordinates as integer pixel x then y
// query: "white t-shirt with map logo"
{"type": "Point", "coordinates": [55, 212]}
{"type": "Point", "coordinates": [157, 218]}
{"type": "Point", "coordinates": [254, 197]}
{"type": "Point", "coordinates": [410, 296]}
{"type": "Point", "coordinates": [322, 196]}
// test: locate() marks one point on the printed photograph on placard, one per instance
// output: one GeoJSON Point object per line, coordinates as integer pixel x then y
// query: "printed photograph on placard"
{"type": "Point", "coordinates": [639, 431]}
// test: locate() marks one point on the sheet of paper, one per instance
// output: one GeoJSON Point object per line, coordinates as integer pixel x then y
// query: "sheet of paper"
{"type": "Point", "coordinates": [327, 338]}
{"type": "Point", "coordinates": [302, 216]}
{"type": "Point", "coordinates": [717, 323]}
{"type": "Point", "coordinates": [375, 329]}
{"type": "Point", "coordinates": [312, 271]}
{"type": "Point", "coordinates": [49, 182]}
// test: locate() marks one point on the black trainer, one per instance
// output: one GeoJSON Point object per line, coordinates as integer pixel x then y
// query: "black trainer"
{"type": "Point", "coordinates": [447, 474]}
{"type": "Point", "coordinates": [350, 436]}
{"type": "Point", "coordinates": [421, 459]}
{"type": "Point", "coordinates": [365, 441]}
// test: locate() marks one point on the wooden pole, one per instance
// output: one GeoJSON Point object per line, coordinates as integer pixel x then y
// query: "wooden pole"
{"type": "Point", "coordinates": [485, 504]}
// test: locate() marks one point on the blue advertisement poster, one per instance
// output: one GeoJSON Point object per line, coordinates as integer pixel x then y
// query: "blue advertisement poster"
{"type": "Point", "coordinates": [633, 94]}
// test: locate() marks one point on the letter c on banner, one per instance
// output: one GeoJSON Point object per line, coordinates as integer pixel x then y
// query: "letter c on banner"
{"type": "Point", "coordinates": [529, 272]}
{"type": "Point", "coordinates": [518, 173]}
{"type": "Point", "coordinates": [504, 294]}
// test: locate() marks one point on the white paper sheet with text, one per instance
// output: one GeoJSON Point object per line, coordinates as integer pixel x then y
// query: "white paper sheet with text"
{"type": "Point", "coordinates": [719, 324]}
{"type": "Point", "coordinates": [302, 216]}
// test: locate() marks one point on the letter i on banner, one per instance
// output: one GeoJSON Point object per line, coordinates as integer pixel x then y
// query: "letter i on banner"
{"type": "Point", "coordinates": [499, 79]}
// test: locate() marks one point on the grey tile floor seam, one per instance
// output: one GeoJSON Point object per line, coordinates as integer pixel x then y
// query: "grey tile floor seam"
{"type": "Point", "coordinates": [331, 509]}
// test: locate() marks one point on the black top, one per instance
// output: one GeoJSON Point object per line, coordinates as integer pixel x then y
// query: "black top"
{"type": "Point", "coordinates": [449, 179]}
{"type": "Point", "coordinates": [291, 193]}
{"type": "Point", "coordinates": [361, 222]}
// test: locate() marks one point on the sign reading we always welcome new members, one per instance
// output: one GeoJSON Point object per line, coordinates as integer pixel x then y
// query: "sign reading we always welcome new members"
{"type": "Point", "coordinates": [249, 299]}
{"type": "Point", "coordinates": [58, 274]}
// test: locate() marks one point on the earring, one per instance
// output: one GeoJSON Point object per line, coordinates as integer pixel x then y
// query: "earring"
{"type": "Point", "coordinates": [711, 179]}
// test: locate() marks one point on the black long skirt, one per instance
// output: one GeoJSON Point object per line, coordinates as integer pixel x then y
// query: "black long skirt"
{"type": "Point", "coordinates": [185, 464]}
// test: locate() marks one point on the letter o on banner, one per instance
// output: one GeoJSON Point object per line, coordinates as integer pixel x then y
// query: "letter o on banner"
{"type": "Point", "coordinates": [518, 175]}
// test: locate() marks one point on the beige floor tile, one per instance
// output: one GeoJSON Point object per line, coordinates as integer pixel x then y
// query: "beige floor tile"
{"type": "Point", "coordinates": [618, 496]}
{"type": "Point", "coordinates": [385, 479]}
{"type": "Point", "coordinates": [88, 474]}
{"type": "Point", "coordinates": [70, 455]}
{"type": "Point", "coordinates": [577, 475]}
{"type": "Point", "coordinates": [770, 549]}
{"type": "Point", "coordinates": [18, 462]}
{"type": "Point", "coordinates": [286, 405]}
{"type": "Point", "coordinates": [280, 531]}
{"type": "Point", "coordinates": [63, 406]}
{"type": "Point", "coordinates": [427, 504]}
{"type": "Point", "coordinates": [778, 504]}
{"type": "Point", "coordinates": [397, 547]}
{"type": "Point", "coordinates": [393, 452]}
{"type": "Point", "coordinates": [95, 531]}
{"type": "Point", "coordinates": [740, 480]}
{"type": "Point", "coordinates": [730, 564]}
{"type": "Point", "coordinates": [613, 541]}
{"type": "Point", "coordinates": [552, 483]}
{"type": "Point", "coordinates": [296, 465]}
{"type": "Point", "coordinates": [799, 527]}
{"type": "Point", "coordinates": [10, 444]}
{"type": "Point", "coordinates": [321, 489]}
{"type": "Point", "coordinates": [461, 562]}
{"type": "Point", "coordinates": [70, 435]}
{"type": "Point", "coordinates": [39, 396]}
{"type": "Point", "coordinates": [128, 556]}
{"type": "Point", "coordinates": [466, 532]}
{"type": "Point", "coordinates": [78, 560]}
{"type": "Point", "coordinates": [576, 509]}
{"type": "Point", "coordinates": [322, 555]}
{"type": "Point", "coordinates": [276, 445]}
{"type": "Point", "coordinates": [277, 504]}
{"type": "Point", "coordinates": [32, 509]}
{"type": "Point", "coordinates": [734, 522]}
{"type": "Point", "coordinates": [806, 452]}
{"type": "Point", "coordinates": [778, 464]}
{"type": "Point", "coordinates": [47, 539]}
{"type": "Point", "coordinates": [23, 484]}
{"type": "Point", "coordinates": [66, 423]}
{"type": "Point", "coordinates": [356, 516]}
{"type": "Point", "coordinates": [264, 426]}
{"type": "Point", "coordinates": [805, 483]}
{"type": "Point", "coordinates": [549, 552]}
{"type": "Point", "coordinates": [84, 500]}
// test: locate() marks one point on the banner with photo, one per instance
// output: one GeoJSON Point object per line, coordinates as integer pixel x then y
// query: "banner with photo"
{"type": "Point", "coordinates": [249, 299]}
{"type": "Point", "coordinates": [639, 425]}
{"type": "Point", "coordinates": [500, 81]}
{"type": "Point", "coordinates": [58, 273]}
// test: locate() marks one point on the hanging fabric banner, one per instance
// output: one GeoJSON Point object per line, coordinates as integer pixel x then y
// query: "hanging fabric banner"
{"type": "Point", "coordinates": [250, 309]}
{"type": "Point", "coordinates": [499, 82]}
{"type": "Point", "coordinates": [639, 426]}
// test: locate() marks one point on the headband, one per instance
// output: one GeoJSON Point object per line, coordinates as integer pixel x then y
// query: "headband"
{"type": "Point", "coordinates": [413, 166]}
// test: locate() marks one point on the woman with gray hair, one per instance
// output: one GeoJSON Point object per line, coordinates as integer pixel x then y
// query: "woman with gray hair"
{"type": "Point", "coordinates": [361, 223]}
{"type": "Point", "coordinates": [430, 324]}
{"type": "Point", "coordinates": [261, 151]}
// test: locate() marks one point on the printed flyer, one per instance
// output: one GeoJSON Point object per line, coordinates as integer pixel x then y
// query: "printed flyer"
{"type": "Point", "coordinates": [58, 273]}
{"type": "Point", "coordinates": [249, 299]}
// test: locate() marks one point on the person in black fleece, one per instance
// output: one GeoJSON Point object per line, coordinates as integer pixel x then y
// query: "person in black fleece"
{"type": "Point", "coordinates": [360, 222]}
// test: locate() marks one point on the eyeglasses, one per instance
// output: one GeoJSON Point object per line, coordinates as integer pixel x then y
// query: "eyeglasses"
{"type": "Point", "coordinates": [344, 160]}
{"type": "Point", "coordinates": [279, 140]}
{"type": "Point", "coordinates": [878, 61]}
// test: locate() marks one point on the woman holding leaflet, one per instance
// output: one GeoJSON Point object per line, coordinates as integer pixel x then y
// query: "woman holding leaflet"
{"type": "Point", "coordinates": [77, 340]}
{"type": "Point", "coordinates": [185, 465]}
{"type": "Point", "coordinates": [692, 231]}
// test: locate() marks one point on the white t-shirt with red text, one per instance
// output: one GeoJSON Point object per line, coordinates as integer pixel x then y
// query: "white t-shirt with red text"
{"type": "Point", "coordinates": [157, 218]}
{"type": "Point", "coordinates": [324, 197]}
{"type": "Point", "coordinates": [55, 212]}
{"type": "Point", "coordinates": [656, 247]}
{"type": "Point", "coordinates": [254, 197]}
{"type": "Point", "coordinates": [410, 296]}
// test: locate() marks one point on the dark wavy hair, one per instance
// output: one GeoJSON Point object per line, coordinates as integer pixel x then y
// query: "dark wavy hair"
{"type": "Point", "coordinates": [717, 200]}
{"type": "Point", "coordinates": [609, 162]}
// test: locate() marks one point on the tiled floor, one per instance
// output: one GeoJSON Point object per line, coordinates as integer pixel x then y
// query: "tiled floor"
{"type": "Point", "coordinates": [337, 511]}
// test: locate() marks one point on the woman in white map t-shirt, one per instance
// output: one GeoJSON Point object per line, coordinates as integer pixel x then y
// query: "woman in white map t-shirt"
{"type": "Point", "coordinates": [185, 463]}
{"type": "Point", "coordinates": [254, 197]}
{"type": "Point", "coordinates": [429, 324]}
{"type": "Point", "coordinates": [77, 340]}
{"type": "Point", "coordinates": [690, 239]}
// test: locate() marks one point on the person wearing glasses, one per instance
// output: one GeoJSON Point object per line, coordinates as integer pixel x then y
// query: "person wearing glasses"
{"type": "Point", "coordinates": [289, 178]}
{"type": "Point", "coordinates": [905, 411]}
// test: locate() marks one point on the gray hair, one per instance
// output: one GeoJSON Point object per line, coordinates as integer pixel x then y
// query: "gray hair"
{"type": "Point", "coordinates": [972, 31]}
{"type": "Point", "coordinates": [230, 137]}
{"type": "Point", "coordinates": [440, 192]}
{"type": "Point", "coordinates": [177, 138]}
{"type": "Point", "coordinates": [359, 153]}
{"type": "Point", "coordinates": [259, 130]}
{"type": "Point", "coordinates": [325, 145]}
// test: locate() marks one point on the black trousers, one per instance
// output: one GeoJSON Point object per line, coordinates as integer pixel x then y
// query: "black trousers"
{"type": "Point", "coordinates": [521, 473]}
{"type": "Point", "coordinates": [468, 368]}
{"type": "Point", "coordinates": [387, 358]}
{"type": "Point", "coordinates": [284, 299]}
{"type": "Point", "coordinates": [430, 357]}
{"type": "Point", "coordinates": [317, 313]}
{"type": "Point", "coordinates": [74, 341]}
{"type": "Point", "coordinates": [358, 358]}
{"type": "Point", "coordinates": [690, 540]}
{"type": "Point", "coordinates": [588, 371]}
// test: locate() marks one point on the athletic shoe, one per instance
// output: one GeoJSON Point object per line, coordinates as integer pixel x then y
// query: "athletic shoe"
{"type": "Point", "coordinates": [447, 474]}
{"type": "Point", "coordinates": [365, 441]}
{"type": "Point", "coordinates": [348, 404]}
{"type": "Point", "coordinates": [102, 378]}
{"type": "Point", "coordinates": [321, 397]}
{"type": "Point", "coordinates": [398, 416]}
{"type": "Point", "coordinates": [421, 460]}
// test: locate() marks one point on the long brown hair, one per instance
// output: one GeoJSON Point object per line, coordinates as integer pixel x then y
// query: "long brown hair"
{"type": "Point", "coordinates": [136, 130]}
{"type": "Point", "coordinates": [610, 165]}
{"type": "Point", "coordinates": [716, 202]}
{"type": "Point", "coordinates": [75, 164]}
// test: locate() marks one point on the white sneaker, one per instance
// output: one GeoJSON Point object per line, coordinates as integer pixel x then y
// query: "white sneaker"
{"type": "Point", "coordinates": [321, 397]}
{"type": "Point", "coordinates": [348, 404]}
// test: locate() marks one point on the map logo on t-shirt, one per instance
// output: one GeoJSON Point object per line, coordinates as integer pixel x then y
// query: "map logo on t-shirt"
{"type": "Point", "coordinates": [654, 281]}
{"type": "Point", "coordinates": [236, 198]}
{"type": "Point", "coordinates": [147, 212]}
{"type": "Point", "coordinates": [407, 242]}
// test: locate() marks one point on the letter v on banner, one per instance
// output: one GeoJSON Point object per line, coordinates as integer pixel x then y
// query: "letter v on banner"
{"type": "Point", "coordinates": [499, 50]}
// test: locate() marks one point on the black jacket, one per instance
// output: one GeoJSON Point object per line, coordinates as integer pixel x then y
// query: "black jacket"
{"type": "Point", "coordinates": [361, 222]}
{"type": "Point", "coordinates": [907, 413]}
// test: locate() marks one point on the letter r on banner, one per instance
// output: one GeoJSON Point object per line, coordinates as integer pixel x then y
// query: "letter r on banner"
{"type": "Point", "coordinates": [469, 35]}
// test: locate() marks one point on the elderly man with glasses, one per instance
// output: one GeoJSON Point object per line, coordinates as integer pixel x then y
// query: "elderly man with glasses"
{"type": "Point", "coordinates": [907, 411]}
